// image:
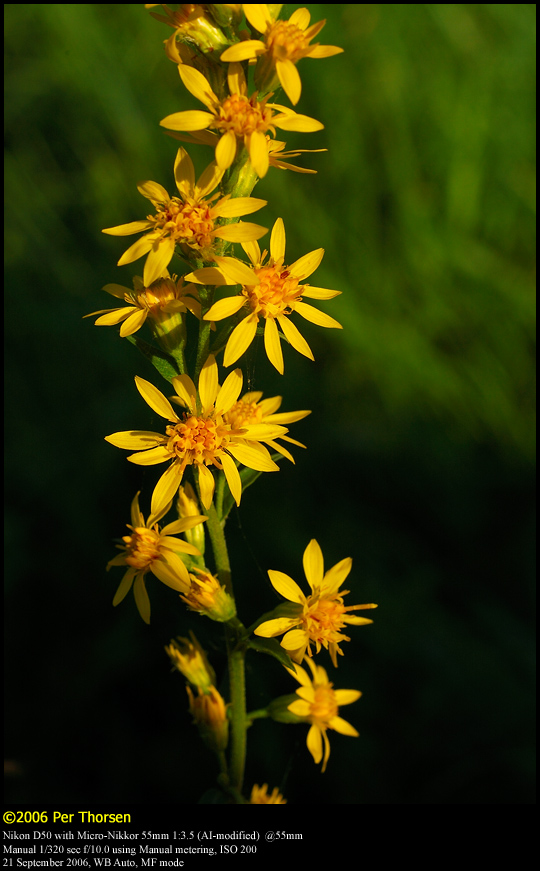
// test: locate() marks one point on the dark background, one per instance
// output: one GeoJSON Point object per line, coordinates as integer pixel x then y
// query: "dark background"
{"type": "Point", "coordinates": [420, 460]}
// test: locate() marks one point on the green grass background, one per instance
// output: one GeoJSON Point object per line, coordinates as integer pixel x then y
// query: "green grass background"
{"type": "Point", "coordinates": [420, 460]}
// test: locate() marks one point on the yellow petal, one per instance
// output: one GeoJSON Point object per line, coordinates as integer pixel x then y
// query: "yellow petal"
{"type": "Point", "coordinates": [206, 485]}
{"type": "Point", "coordinates": [298, 123]}
{"type": "Point", "coordinates": [173, 572]}
{"type": "Point", "coordinates": [258, 152]}
{"type": "Point", "coordinates": [209, 275]}
{"type": "Point", "coordinates": [181, 525]}
{"type": "Point", "coordinates": [258, 16]}
{"type": "Point", "coordinates": [249, 456]}
{"type": "Point", "coordinates": [138, 249]}
{"type": "Point", "coordinates": [166, 488]}
{"type": "Point", "coordinates": [157, 261]}
{"type": "Point", "coordinates": [235, 207]}
{"type": "Point", "coordinates": [343, 727]}
{"type": "Point", "coordinates": [141, 598]}
{"type": "Point", "coordinates": [314, 743]}
{"type": "Point", "coordinates": [306, 265]}
{"type": "Point", "coordinates": [236, 79]}
{"type": "Point", "coordinates": [301, 17]}
{"type": "Point", "coordinates": [198, 85]}
{"type": "Point", "coordinates": [346, 697]}
{"type": "Point", "coordinates": [154, 192]}
{"type": "Point", "coordinates": [226, 150]}
{"type": "Point", "coordinates": [127, 230]}
{"type": "Point", "coordinates": [193, 119]}
{"type": "Point", "coordinates": [240, 339]}
{"type": "Point", "coordinates": [315, 316]}
{"type": "Point", "coordinates": [253, 252]}
{"type": "Point", "coordinates": [229, 392]}
{"type": "Point", "coordinates": [286, 587]}
{"type": "Point", "coordinates": [133, 440]}
{"type": "Point", "coordinates": [296, 639]}
{"type": "Point", "coordinates": [209, 179]}
{"type": "Point", "coordinates": [233, 477]}
{"type": "Point", "coordinates": [184, 173]}
{"type": "Point", "coordinates": [224, 308]}
{"type": "Point", "coordinates": [236, 271]}
{"type": "Point", "coordinates": [335, 576]}
{"type": "Point", "coordinates": [271, 628]}
{"type": "Point", "coordinates": [240, 232]}
{"type": "Point", "coordinates": [136, 517]}
{"type": "Point", "coordinates": [186, 390]}
{"type": "Point", "coordinates": [133, 323]}
{"type": "Point", "coordinates": [113, 316]}
{"type": "Point", "coordinates": [208, 384]}
{"type": "Point", "coordinates": [151, 457]}
{"type": "Point", "coordinates": [319, 292]}
{"type": "Point", "coordinates": [272, 344]}
{"type": "Point", "coordinates": [277, 241]}
{"type": "Point", "coordinates": [118, 290]}
{"type": "Point", "coordinates": [125, 586]}
{"type": "Point", "coordinates": [244, 50]}
{"type": "Point", "coordinates": [324, 51]}
{"type": "Point", "coordinates": [289, 79]}
{"type": "Point", "coordinates": [313, 564]}
{"type": "Point", "coordinates": [294, 337]}
{"type": "Point", "coordinates": [155, 399]}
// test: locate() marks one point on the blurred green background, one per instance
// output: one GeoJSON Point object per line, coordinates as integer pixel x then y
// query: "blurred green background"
{"type": "Point", "coordinates": [420, 460]}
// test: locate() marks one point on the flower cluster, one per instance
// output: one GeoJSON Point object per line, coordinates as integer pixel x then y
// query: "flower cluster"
{"type": "Point", "coordinates": [214, 437]}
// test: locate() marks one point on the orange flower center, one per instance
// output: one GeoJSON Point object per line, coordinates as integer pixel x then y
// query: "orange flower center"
{"type": "Point", "coordinates": [197, 439]}
{"type": "Point", "coordinates": [142, 547]}
{"type": "Point", "coordinates": [323, 620]}
{"type": "Point", "coordinates": [243, 116]}
{"type": "Point", "coordinates": [190, 224]}
{"type": "Point", "coordinates": [287, 41]}
{"type": "Point", "coordinates": [276, 294]}
{"type": "Point", "coordinates": [324, 706]}
{"type": "Point", "coordinates": [243, 413]}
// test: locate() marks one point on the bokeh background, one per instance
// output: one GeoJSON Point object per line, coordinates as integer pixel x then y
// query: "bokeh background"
{"type": "Point", "coordinates": [420, 460]}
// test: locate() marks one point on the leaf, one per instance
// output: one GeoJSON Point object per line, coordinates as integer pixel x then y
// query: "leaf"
{"type": "Point", "coordinates": [272, 648]}
{"type": "Point", "coordinates": [165, 364]}
{"type": "Point", "coordinates": [284, 609]}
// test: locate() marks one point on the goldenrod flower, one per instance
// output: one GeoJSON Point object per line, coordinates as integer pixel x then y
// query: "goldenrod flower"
{"type": "Point", "coordinates": [208, 597]}
{"type": "Point", "coordinates": [251, 408]}
{"type": "Point", "coordinates": [189, 220]}
{"type": "Point", "coordinates": [277, 295]}
{"type": "Point", "coordinates": [148, 549]}
{"type": "Point", "coordinates": [278, 157]}
{"type": "Point", "coordinates": [209, 712]}
{"type": "Point", "coordinates": [200, 437]}
{"type": "Point", "coordinates": [319, 704]}
{"type": "Point", "coordinates": [323, 613]}
{"type": "Point", "coordinates": [237, 119]}
{"type": "Point", "coordinates": [165, 297]}
{"type": "Point", "coordinates": [284, 43]}
{"type": "Point", "coordinates": [259, 795]}
{"type": "Point", "coordinates": [190, 22]}
{"type": "Point", "coordinates": [189, 659]}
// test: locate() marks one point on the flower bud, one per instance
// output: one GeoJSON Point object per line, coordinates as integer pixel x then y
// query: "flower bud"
{"type": "Point", "coordinates": [188, 506]}
{"type": "Point", "coordinates": [190, 660]}
{"type": "Point", "coordinates": [207, 596]}
{"type": "Point", "coordinates": [209, 712]}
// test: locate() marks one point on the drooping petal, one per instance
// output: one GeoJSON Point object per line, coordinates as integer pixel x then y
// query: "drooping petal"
{"type": "Point", "coordinates": [165, 489]}
{"type": "Point", "coordinates": [139, 248]}
{"type": "Point", "coordinates": [133, 323]}
{"type": "Point", "coordinates": [233, 477]}
{"type": "Point", "coordinates": [272, 344]}
{"type": "Point", "coordinates": [113, 316]}
{"type": "Point", "coordinates": [172, 572]}
{"type": "Point", "coordinates": [286, 587]}
{"type": "Point", "coordinates": [289, 79]}
{"type": "Point", "coordinates": [313, 564]}
{"type": "Point", "coordinates": [343, 727]}
{"type": "Point", "coordinates": [158, 259]}
{"type": "Point", "coordinates": [315, 316]}
{"type": "Point", "coordinates": [207, 485]}
{"type": "Point", "coordinates": [314, 743]}
{"type": "Point", "coordinates": [249, 456]}
{"type": "Point", "coordinates": [226, 150]}
{"type": "Point", "coordinates": [294, 337]}
{"type": "Point", "coordinates": [257, 147]}
{"type": "Point", "coordinates": [141, 597]}
{"type": "Point", "coordinates": [240, 339]}
{"type": "Point", "coordinates": [125, 586]}
{"type": "Point", "coordinates": [271, 628]}
{"type": "Point", "coordinates": [155, 399]}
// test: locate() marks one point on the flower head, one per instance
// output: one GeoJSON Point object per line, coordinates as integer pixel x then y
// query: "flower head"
{"type": "Point", "coordinates": [284, 43]}
{"type": "Point", "coordinates": [235, 120]}
{"type": "Point", "coordinates": [209, 712]}
{"type": "Point", "coordinates": [207, 596]}
{"type": "Point", "coordinates": [199, 436]}
{"type": "Point", "coordinates": [323, 613]}
{"type": "Point", "coordinates": [319, 704]}
{"type": "Point", "coordinates": [259, 795]}
{"type": "Point", "coordinates": [276, 296]}
{"type": "Point", "coordinates": [252, 409]}
{"type": "Point", "coordinates": [190, 23]}
{"type": "Point", "coordinates": [149, 549]}
{"type": "Point", "coordinates": [164, 297]}
{"type": "Point", "coordinates": [188, 220]}
{"type": "Point", "coordinates": [189, 659]}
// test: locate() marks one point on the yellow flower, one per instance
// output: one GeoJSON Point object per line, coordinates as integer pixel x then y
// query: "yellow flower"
{"type": "Point", "coordinates": [284, 43]}
{"type": "Point", "coordinates": [164, 297]}
{"type": "Point", "coordinates": [237, 119]}
{"type": "Point", "coordinates": [279, 158]}
{"type": "Point", "coordinates": [189, 659]}
{"type": "Point", "coordinates": [188, 220]}
{"type": "Point", "coordinates": [259, 795]}
{"type": "Point", "coordinates": [323, 612]}
{"type": "Point", "coordinates": [190, 22]}
{"type": "Point", "coordinates": [277, 295]}
{"type": "Point", "coordinates": [148, 549]}
{"type": "Point", "coordinates": [209, 712]}
{"type": "Point", "coordinates": [207, 596]}
{"type": "Point", "coordinates": [250, 409]}
{"type": "Point", "coordinates": [200, 437]}
{"type": "Point", "coordinates": [319, 704]}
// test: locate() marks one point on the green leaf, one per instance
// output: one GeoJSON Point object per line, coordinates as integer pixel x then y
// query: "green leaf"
{"type": "Point", "coordinates": [284, 609]}
{"type": "Point", "coordinates": [165, 364]}
{"type": "Point", "coordinates": [272, 648]}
